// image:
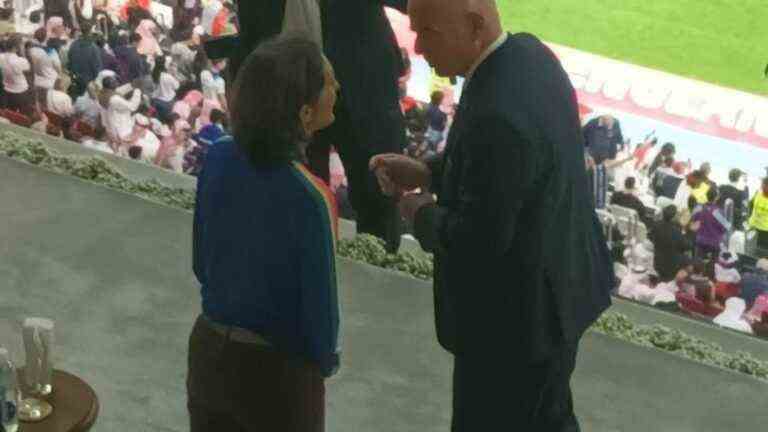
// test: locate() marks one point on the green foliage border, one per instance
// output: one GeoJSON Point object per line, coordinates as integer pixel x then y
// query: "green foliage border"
{"type": "Point", "coordinates": [371, 250]}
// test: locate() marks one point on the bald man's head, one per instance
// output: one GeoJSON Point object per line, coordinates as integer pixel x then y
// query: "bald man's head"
{"type": "Point", "coordinates": [452, 34]}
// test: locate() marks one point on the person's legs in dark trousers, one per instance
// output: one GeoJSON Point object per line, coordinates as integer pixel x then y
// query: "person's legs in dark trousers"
{"type": "Point", "coordinates": [377, 214]}
{"type": "Point", "coordinates": [233, 386]}
{"type": "Point", "coordinates": [502, 394]}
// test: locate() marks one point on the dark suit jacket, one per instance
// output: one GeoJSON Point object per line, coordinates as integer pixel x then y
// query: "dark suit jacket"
{"type": "Point", "coordinates": [360, 43]}
{"type": "Point", "coordinates": [521, 267]}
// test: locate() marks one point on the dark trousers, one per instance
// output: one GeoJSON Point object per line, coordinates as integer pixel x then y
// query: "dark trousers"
{"type": "Point", "coordinates": [237, 387]}
{"type": "Point", "coordinates": [376, 214]}
{"type": "Point", "coordinates": [21, 102]}
{"type": "Point", "coordinates": [493, 394]}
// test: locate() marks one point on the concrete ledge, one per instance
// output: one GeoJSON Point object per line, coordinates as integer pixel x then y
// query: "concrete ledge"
{"type": "Point", "coordinates": [730, 340]}
{"type": "Point", "coordinates": [114, 272]}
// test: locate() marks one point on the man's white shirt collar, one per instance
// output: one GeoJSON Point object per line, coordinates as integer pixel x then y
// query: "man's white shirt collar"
{"type": "Point", "coordinates": [487, 53]}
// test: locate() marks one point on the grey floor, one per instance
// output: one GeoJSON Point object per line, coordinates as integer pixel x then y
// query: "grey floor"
{"type": "Point", "coordinates": [114, 272]}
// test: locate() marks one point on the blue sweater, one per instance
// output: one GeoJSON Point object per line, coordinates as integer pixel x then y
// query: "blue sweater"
{"type": "Point", "coordinates": [264, 253]}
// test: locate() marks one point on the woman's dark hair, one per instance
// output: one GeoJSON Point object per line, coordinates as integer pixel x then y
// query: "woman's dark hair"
{"type": "Point", "coordinates": [159, 69]}
{"type": "Point", "coordinates": [134, 152]}
{"type": "Point", "coordinates": [218, 116]}
{"type": "Point", "coordinates": [283, 75]}
{"type": "Point", "coordinates": [134, 38]}
{"type": "Point", "coordinates": [668, 149]}
{"type": "Point", "coordinates": [734, 175]}
{"type": "Point", "coordinates": [669, 213]}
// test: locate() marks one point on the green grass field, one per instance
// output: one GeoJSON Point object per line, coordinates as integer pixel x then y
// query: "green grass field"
{"type": "Point", "coordinates": [720, 41]}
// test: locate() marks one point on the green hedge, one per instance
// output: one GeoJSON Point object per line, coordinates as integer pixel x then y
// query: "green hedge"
{"type": "Point", "coordinates": [371, 250]}
{"type": "Point", "coordinates": [92, 168]}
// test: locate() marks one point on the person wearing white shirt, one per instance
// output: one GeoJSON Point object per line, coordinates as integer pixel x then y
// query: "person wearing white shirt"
{"type": "Point", "coordinates": [214, 87]}
{"type": "Point", "coordinates": [166, 86]}
{"type": "Point", "coordinates": [87, 106]}
{"type": "Point", "coordinates": [46, 64]}
{"type": "Point", "coordinates": [13, 67]}
{"type": "Point", "coordinates": [146, 139]}
{"type": "Point", "coordinates": [117, 112]}
{"type": "Point", "coordinates": [59, 102]}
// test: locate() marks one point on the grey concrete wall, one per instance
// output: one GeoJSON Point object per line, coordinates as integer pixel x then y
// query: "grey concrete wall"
{"type": "Point", "coordinates": [114, 272]}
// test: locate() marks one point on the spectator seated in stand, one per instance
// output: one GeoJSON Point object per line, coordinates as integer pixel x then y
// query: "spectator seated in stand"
{"type": "Point", "coordinates": [629, 199]}
{"type": "Point", "coordinates": [727, 277]}
{"type": "Point", "coordinates": [755, 283]}
{"type": "Point", "coordinates": [759, 308]}
{"type": "Point", "coordinates": [670, 245]}
{"type": "Point", "coordinates": [697, 296]}
{"type": "Point", "coordinates": [637, 286]}
{"type": "Point", "coordinates": [58, 102]}
{"type": "Point", "coordinates": [214, 131]}
{"type": "Point", "coordinates": [99, 141]}
{"type": "Point", "coordinates": [760, 328]}
{"type": "Point", "coordinates": [733, 316]}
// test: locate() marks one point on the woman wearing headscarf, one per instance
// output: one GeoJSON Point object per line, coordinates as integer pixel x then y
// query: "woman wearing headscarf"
{"type": "Point", "coordinates": [268, 338]}
{"type": "Point", "coordinates": [733, 316]}
{"type": "Point", "coordinates": [117, 113]}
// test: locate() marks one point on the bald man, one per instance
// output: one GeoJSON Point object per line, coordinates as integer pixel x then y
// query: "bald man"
{"type": "Point", "coordinates": [521, 266]}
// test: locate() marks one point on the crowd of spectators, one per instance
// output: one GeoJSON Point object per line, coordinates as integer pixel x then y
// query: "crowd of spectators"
{"type": "Point", "coordinates": [119, 80]}
{"type": "Point", "coordinates": [681, 240]}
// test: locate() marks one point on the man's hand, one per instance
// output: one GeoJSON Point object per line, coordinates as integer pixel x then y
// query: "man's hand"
{"type": "Point", "coordinates": [398, 173]}
{"type": "Point", "coordinates": [410, 205]}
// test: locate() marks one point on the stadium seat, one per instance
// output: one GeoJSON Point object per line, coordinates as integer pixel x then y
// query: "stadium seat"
{"type": "Point", "coordinates": [55, 119]}
{"type": "Point", "coordinates": [695, 307]}
{"type": "Point", "coordinates": [17, 118]}
{"type": "Point", "coordinates": [84, 129]}
{"type": "Point", "coordinates": [724, 291]}
{"type": "Point", "coordinates": [629, 223]}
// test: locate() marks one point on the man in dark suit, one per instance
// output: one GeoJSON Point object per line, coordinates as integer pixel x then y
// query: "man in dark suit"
{"type": "Point", "coordinates": [359, 42]}
{"type": "Point", "coordinates": [521, 265]}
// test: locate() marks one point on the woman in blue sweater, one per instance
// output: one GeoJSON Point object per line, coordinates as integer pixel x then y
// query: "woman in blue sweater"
{"type": "Point", "coordinates": [264, 253]}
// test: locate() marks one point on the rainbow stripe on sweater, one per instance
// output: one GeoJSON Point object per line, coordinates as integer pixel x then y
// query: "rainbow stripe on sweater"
{"type": "Point", "coordinates": [323, 197]}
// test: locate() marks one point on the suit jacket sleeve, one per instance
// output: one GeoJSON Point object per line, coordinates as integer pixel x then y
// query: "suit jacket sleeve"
{"type": "Point", "coordinates": [499, 169]}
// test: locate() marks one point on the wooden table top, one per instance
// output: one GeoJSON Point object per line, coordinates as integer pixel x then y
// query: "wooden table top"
{"type": "Point", "coordinates": [75, 405]}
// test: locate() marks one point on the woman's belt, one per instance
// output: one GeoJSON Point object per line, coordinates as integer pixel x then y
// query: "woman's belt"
{"type": "Point", "coordinates": [237, 334]}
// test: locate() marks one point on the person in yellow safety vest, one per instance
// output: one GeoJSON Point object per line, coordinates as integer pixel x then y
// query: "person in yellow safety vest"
{"type": "Point", "coordinates": [699, 191]}
{"type": "Point", "coordinates": [759, 217]}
